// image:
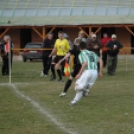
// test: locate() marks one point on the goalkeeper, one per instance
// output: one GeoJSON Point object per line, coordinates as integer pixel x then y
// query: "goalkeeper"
{"type": "Point", "coordinates": [77, 66]}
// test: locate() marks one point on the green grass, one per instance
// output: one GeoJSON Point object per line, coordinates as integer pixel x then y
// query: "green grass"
{"type": "Point", "coordinates": [108, 110]}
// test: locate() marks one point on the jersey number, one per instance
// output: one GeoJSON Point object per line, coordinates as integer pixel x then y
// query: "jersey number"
{"type": "Point", "coordinates": [92, 58]}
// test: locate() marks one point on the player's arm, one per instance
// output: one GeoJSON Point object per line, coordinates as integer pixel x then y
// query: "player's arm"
{"type": "Point", "coordinates": [81, 70]}
{"type": "Point", "coordinates": [83, 63]}
{"type": "Point", "coordinates": [101, 67]}
{"type": "Point", "coordinates": [58, 64]}
{"type": "Point", "coordinates": [66, 56]}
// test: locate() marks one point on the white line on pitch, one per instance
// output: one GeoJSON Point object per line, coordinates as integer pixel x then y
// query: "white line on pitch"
{"type": "Point", "coordinates": [41, 110]}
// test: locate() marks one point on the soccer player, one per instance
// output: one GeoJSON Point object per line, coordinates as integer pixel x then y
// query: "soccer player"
{"type": "Point", "coordinates": [61, 47]}
{"type": "Point", "coordinates": [75, 51]}
{"type": "Point", "coordinates": [88, 72]}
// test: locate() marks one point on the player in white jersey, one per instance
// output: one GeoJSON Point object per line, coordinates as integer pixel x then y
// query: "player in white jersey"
{"type": "Point", "coordinates": [88, 72]}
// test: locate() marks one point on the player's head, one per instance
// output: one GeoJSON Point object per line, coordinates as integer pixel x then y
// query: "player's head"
{"type": "Point", "coordinates": [60, 34]}
{"type": "Point", "coordinates": [50, 35]}
{"type": "Point", "coordinates": [82, 46]}
{"type": "Point", "coordinates": [78, 41]}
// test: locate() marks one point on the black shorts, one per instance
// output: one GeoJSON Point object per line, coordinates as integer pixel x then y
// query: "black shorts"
{"type": "Point", "coordinates": [57, 59]}
{"type": "Point", "coordinates": [76, 70]}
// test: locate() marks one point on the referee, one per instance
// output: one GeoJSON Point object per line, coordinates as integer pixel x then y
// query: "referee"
{"type": "Point", "coordinates": [61, 47]}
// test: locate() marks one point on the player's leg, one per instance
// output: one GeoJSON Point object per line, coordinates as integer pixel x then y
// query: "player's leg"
{"type": "Point", "coordinates": [67, 85]}
{"type": "Point", "coordinates": [59, 72]}
{"type": "Point", "coordinates": [88, 78]}
{"type": "Point", "coordinates": [92, 79]}
{"type": "Point", "coordinates": [69, 81]}
{"type": "Point", "coordinates": [80, 85]}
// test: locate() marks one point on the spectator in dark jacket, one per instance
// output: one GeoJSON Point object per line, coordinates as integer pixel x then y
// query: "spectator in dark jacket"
{"type": "Point", "coordinates": [113, 47]}
{"type": "Point", "coordinates": [5, 49]}
{"type": "Point", "coordinates": [47, 44]}
{"type": "Point", "coordinates": [104, 42]}
{"type": "Point", "coordinates": [94, 45]}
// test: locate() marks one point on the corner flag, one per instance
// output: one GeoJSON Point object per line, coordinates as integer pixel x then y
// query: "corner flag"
{"type": "Point", "coordinates": [67, 69]}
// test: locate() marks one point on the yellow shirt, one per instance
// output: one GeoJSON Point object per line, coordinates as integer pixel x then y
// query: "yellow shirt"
{"type": "Point", "coordinates": [62, 47]}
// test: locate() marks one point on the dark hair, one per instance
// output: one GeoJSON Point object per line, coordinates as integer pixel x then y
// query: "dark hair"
{"type": "Point", "coordinates": [60, 32]}
{"type": "Point", "coordinates": [50, 33]}
{"type": "Point", "coordinates": [83, 45]}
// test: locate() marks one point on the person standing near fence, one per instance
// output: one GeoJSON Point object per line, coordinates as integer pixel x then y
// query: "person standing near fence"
{"type": "Point", "coordinates": [7, 46]}
{"type": "Point", "coordinates": [47, 44]}
{"type": "Point", "coordinates": [61, 47]}
{"type": "Point", "coordinates": [104, 42]}
{"type": "Point", "coordinates": [94, 45]}
{"type": "Point", "coordinates": [113, 47]}
{"type": "Point", "coordinates": [81, 36]}
{"type": "Point", "coordinates": [69, 41]}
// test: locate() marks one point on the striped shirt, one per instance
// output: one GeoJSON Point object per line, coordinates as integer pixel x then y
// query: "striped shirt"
{"type": "Point", "coordinates": [90, 58]}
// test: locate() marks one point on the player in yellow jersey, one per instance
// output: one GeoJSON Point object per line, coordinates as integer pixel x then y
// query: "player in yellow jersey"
{"type": "Point", "coordinates": [61, 47]}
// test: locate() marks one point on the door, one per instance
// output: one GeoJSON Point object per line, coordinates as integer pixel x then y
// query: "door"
{"type": "Point", "coordinates": [25, 37]}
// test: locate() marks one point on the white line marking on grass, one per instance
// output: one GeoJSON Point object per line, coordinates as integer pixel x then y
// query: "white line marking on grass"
{"type": "Point", "coordinates": [48, 82]}
{"type": "Point", "coordinates": [41, 110]}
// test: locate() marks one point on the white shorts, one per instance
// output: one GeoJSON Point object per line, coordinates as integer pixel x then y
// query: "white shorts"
{"type": "Point", "coordinates": [87, 78]}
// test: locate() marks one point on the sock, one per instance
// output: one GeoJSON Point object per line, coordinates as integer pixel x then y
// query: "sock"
{"type": "Point", "coordinates": [78, 95]}
{"type": "Point", "coordinates": [67, 85]}
{"type": "Point", "coordinates": [59, 74]}
{"type": "Point", "coordinates": [53, 70]}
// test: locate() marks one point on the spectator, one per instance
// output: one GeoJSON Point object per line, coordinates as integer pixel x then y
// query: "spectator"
{"type": "Point", "coordinates": [113, 47]}
{"type": "Point", "coordinates": [48, 44]}
{"type": "Point", "coordinates": [94, 45]}
{"type": "Point", "coordinates": [81, 36]}
{"type": "Point", "coordinates": [61, 47]}
{"type": "Point", "coordinates": [5, 54]}
{"type": "Point", "coordinates": [90, 36]}
{"type": "Point", "coordinates": [69, 41]}
{"type": "Point", "coordinates": [104, 42]}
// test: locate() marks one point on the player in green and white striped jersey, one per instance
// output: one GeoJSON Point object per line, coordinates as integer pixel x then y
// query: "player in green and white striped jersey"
{"type": "Point", "coordinates": [90, 57]}
{"type": "Point", "coordinates": [88, 72]}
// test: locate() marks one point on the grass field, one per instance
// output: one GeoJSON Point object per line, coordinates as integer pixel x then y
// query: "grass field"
{"type": "Point", "coordinates": [31, 105]}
